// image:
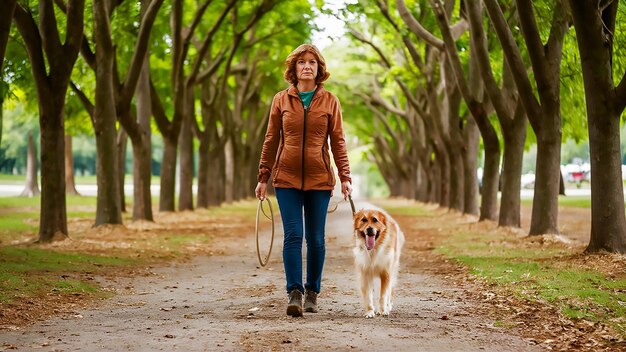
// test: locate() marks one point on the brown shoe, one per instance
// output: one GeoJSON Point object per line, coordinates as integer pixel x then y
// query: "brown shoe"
{"type": "Point", "coordinates": [310, 301]}
{"type": "Point", "coordinates": [294, 307]}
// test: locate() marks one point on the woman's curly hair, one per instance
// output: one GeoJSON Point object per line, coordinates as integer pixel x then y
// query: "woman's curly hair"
{"type": "Point", "coordinates": [290, 64]}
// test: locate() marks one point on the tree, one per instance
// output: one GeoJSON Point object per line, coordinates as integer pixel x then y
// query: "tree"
{"type": "Point", "coordinates": [31, 188]}
{"type": "Point", "coordinates": [594, 22]}
{"type": "Point", "coordinates": [108, 205]}
{"type": "Point", "coordinates": [473, 99]}
{"type": "Point", "coordinates": [181, 84]}
{"type": "Point", "coordinates": [544, 114]}
{"type": "Point", "coordinates": [51, 63]}
{"type": "Point", "coordinates": [510, 114]}
{"type": "Point", "coordinates": [70, 185]}
{"type": "Point", "coordinates": [142, 146]}
{"type": "Point", "coordinates": [114, 97]}
{"type": "Point", "coordinates": [5, 29]}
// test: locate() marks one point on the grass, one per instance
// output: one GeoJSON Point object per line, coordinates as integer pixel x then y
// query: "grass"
{"type": "Point", "coordinates": [35, 202]}
{"type": "Point", "coordinates": [567, 201]}
{"type": "Point", "coordinates": [84, 180]}
{"type": "Point", "coordinates": [32, 272]}
{"type": "Point", "coordinates": [540, 273]}
{"type": "Point", "coordinates": [549, 274]}
{"type": "Point", "coordinates": [20, 215]}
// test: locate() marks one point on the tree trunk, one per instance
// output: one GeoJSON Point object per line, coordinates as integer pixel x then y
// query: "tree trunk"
{"type": "Point", "coordinates": [31, 188]}
{"type": "Point", "coordinates": [457, 180]}
{"type": "Point", "coordinates": [185, 195]}
{"type": "Point", "coordinates": [545, 200]}
{"type": "Point", "coordinates": [229, 165]}
{"type": "Point", "coordinates": [203, 173]}
{"type": "Point", "coordinates": [53, 220]}
{"type": "Point", "coordinates": [5, 30]}
{"type": "Point", "coordinates": [471, 137]}
{"type": "Point", "coordinates": [216, 178]}
{"type": "Point", "coordinates": [443, 160]}
{"type": "Point", "coordinates": [421, 180]}
{"type": "Point", "coordinates": [605, 104]}
{"type": "Point", "coordinates": [142, 150]}
{"type": "Point", "coordinates": [142, 204]}
{"type": "Point", "coordinates": [108, 204]}
{"type": "Point", "coordinates": [514, 139]}
{"type": "Point", "coordinates": [434, 180]}
{"type": "Point", "coordinates": [168, 174]}
{"type": "Point", "coordinates": [122, 144]}
{"type": "Point", "coordinates": [1, 117]}
{"type": "Point", "coordinates": [70, 185]}
{"type": "Point", "coordinates": [51, 89]}
{"type": "Point", "coordinates": [491, 169]}
{"type": "Point", "coordinates": [608, 225]}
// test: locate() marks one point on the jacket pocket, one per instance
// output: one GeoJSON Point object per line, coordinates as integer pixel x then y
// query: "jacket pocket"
{"type": "Point", "coordinates": [329, 169]}
{"type": "Point", "coordinates": [278, 160]}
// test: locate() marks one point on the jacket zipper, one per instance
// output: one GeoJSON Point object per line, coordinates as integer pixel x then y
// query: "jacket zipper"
{"type": "Point", "coordinates": [304, 131]}
{"type": "Point", "coordinates": [303, 140]}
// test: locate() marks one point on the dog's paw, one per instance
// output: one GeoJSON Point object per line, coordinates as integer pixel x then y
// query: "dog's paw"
{"type": "Point", "coordinates": [369, 314]}
{"type": "Point", "coordinates": [385, 313]}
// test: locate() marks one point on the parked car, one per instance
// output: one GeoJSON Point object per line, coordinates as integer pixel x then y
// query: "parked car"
{"type": "Point", "coordinates": [528, 180]}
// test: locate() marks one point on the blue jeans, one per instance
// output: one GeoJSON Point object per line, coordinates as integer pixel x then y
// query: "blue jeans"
{"type": "Point", "coordinates": [291, 201]}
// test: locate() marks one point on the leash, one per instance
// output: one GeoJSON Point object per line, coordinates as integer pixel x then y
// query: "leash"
{"type": "Point", "coordinates": [270, 217]}
{"type": "Point", "coordinates": [337, 204]}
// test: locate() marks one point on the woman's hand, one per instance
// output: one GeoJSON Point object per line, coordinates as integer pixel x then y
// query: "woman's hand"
{"type": "Point", "coordinates": [261, 189]}
{"type": "Point", "coordinates": [346, 189]}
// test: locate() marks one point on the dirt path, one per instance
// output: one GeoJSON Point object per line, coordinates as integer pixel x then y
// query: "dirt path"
{"type": "Point", "coordinates": [226, 302]}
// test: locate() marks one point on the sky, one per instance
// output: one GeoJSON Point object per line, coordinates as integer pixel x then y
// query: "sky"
{"type": "Point", "coordinates": [329, 25]}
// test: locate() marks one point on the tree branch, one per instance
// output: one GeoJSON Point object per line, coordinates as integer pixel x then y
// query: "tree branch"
{"type": "Point", "coordinates": [74, 31]}
{"type": "Point", "coordinates": [561, 22]}
{"type": "Point", "coordinates": [5, 28]}
{"type": "Point", "coordinates": [263, 38]}
{"type": "Point", "coordinates": [86, 102]}
{"type": "Point", "coordinates": [85, 49]}
{"type": "Point", "coordinates": [514, 58]}
{"type": "Point", "coordinates": [139, 55]}
{"type": "Point", "coordinates": [536, 50]}
{"type": "Point", "coordinates": [197, 18]}
{"type": "Point", "coordinates": [416, 27]}
{"type": "Point", "coordinates": [481, 53]}
{"type": "Point", "coordinates": [451, 51]}
{"type": "Point", "coordinates": [360, 37]}
{"type": "Point", "coordinates": [415, 56]}
{"type": "Point", "coordinates": [29, 31]}
{"type": "Point", "coordinates": [215, 63]}
{"type": "Point", "coordinates": [207, 42]}
{"type": "Point", "coordinates": [157, 110]}
{"type": "Point", "coordinates": [50, 32]}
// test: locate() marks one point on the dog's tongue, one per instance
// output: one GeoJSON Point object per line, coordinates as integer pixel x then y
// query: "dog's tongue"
{"type": "Point", "coordinates": [369, 242]}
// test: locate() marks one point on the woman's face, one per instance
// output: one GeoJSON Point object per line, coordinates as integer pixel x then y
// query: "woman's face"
{"type": "Point", "coordinates": [306, 67]}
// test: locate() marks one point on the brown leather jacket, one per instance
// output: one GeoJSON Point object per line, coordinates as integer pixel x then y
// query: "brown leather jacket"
{"type": "Point", "coordinates": [296, 142]}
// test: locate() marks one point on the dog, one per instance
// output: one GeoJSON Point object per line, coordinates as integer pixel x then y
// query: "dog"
{"type": "Point", "coordinates": [378, 242]}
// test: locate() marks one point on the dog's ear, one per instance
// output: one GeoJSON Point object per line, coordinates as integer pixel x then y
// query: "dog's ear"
{"type": "Point", "coordinates": [382, 217]}
{"type": "Point", "coordinates": [357, 218]}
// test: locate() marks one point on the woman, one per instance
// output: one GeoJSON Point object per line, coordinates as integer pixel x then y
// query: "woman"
{"type": "Point", "coordinates": [302, 119]}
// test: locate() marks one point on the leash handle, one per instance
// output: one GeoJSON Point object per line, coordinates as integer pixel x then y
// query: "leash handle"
{"type": "Point", "coordinates": [352, 204]}
{"type": "Point", "coordinates": [260, 209]}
